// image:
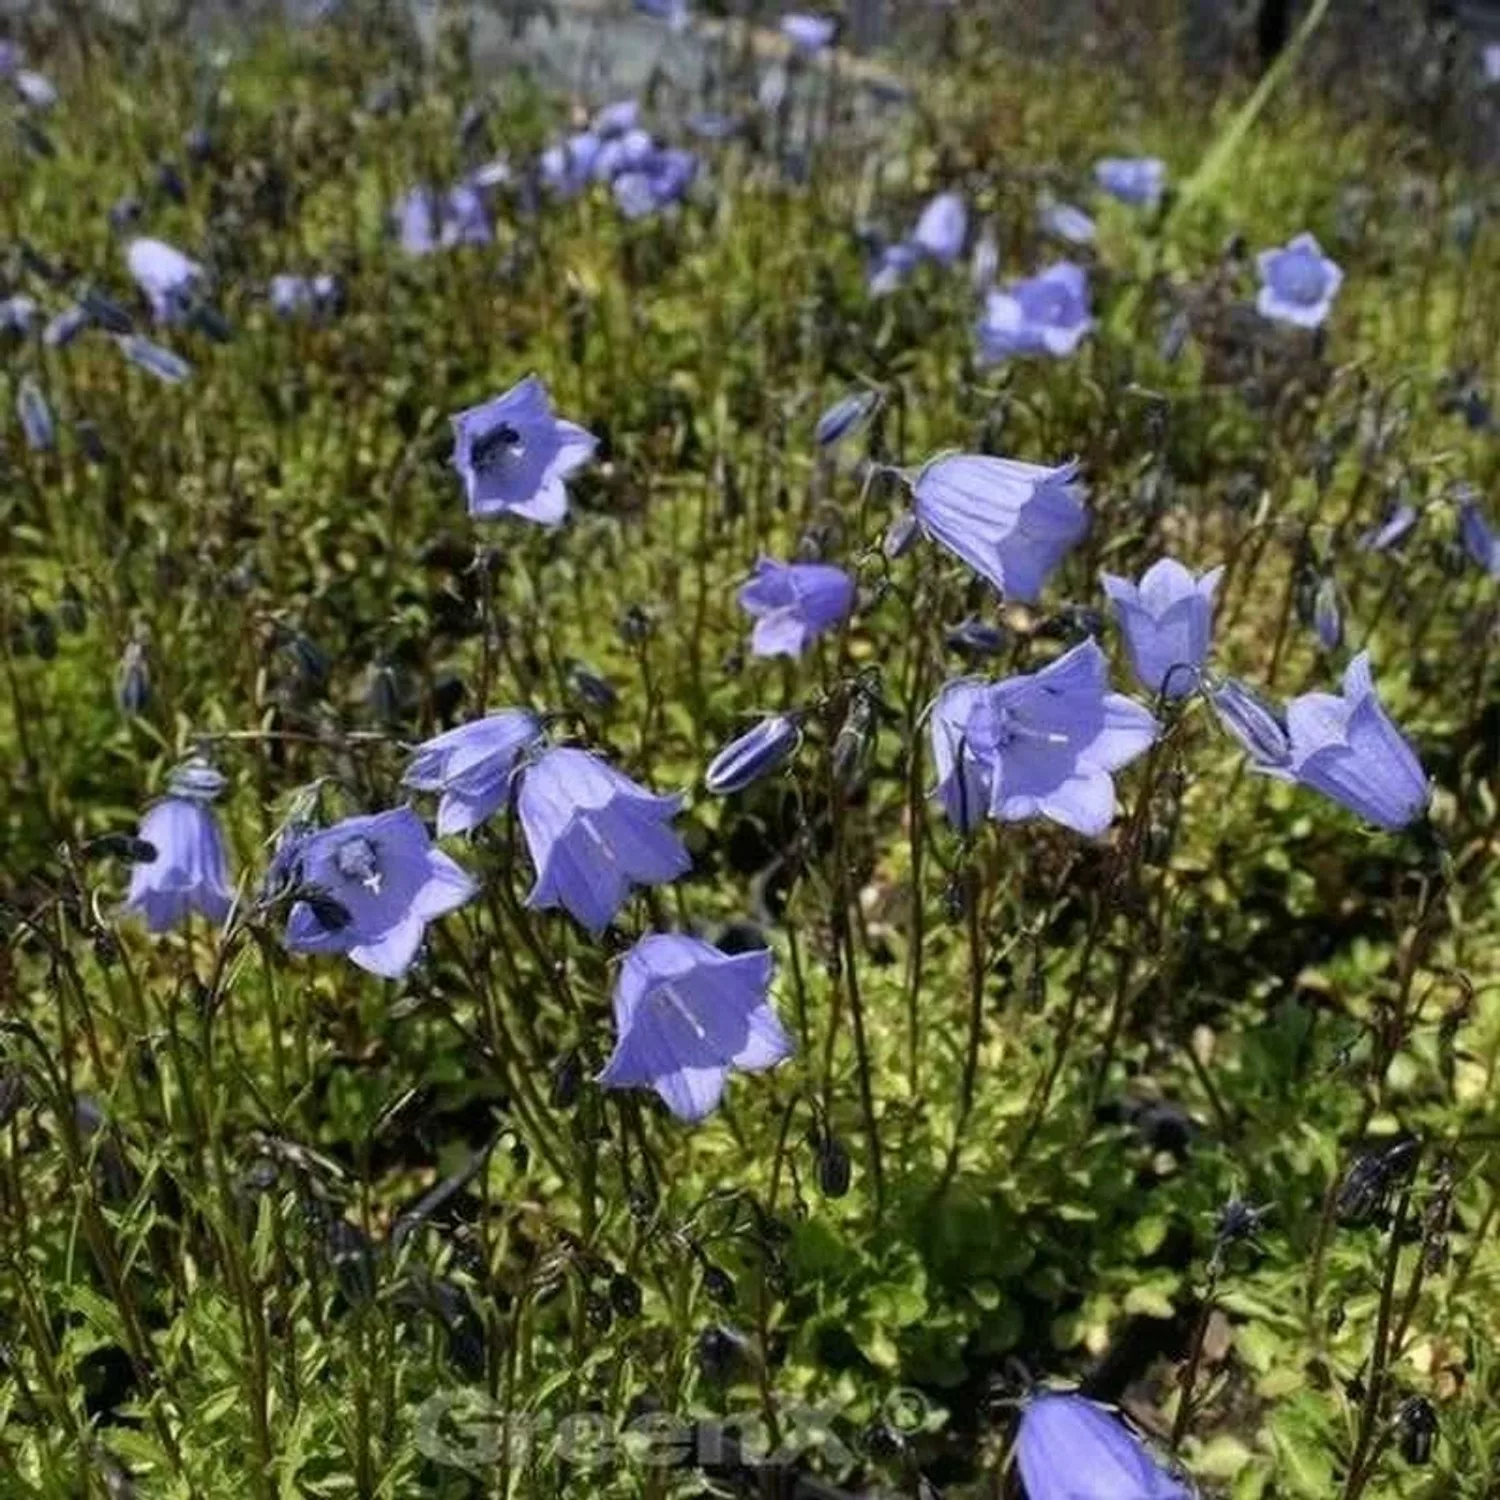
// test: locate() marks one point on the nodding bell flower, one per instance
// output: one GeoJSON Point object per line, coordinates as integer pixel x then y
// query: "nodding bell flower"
{"type": "Point", "coordinates": [808, 34]}
{"type": "Point", "coordinates": [685, 1015]}
{"type": "Point", "coordinates": [472, 767]}
{"type": "Point", "coordinates": [794, 603]}
{"type": "Point", "coordinates": [1136, 180]}
{"type": "Point", "coordinates": [941, 230]}
{"type": "Point", "coordinates": [1068, 1448]}
{"type": "Point", "coordinates": [593, 834]}
{"type": "Point", "coordinates": [188, 869]}
{"type": "Point", "coordinates": [169, 279]}
{"type": "Point", "coordinates": [1167, 620]}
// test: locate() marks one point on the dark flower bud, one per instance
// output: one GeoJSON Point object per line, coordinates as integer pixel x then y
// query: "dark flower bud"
{"type": "Point", "coordinates": [71, 614]}
{"type": "Point", "coordinates": [90, 441]}
{"type": "Point", "coordinates": [591, 689]}
{"type": "Point", "coordinates": [1336, 1316]}
{"type": "Point", "coordinates": [42, 629]}
{"type": "Point", "coordinates": [625, 1294]}
{"type": "Point", "coordinates": [520, 1155]}
{"type": "Point", "coordinates": [133, 680]}
{"type": "Point", "coordinates": [105, 311]}
{"type": "Point", "coordinates": [719, 1350]}
{"type": "Point", "coordinates": [834, 1167]}
{"type": "Point", "coordinates": [719, 1285]}
{"type": "Point", "coordinates": [384, 695]}
{"type": "Point", "coordinates": [883, 1443]}
{"type": "Point", "coordinates": [855, 742]}
{"type": "Point", "coordinates": [1237, 1220]}
{"type": "Point", "coordinates": [567, 1081]}
{"type": "Point", "coordinates": [635, 625]}
{"type": "Point", "coordinates": [168, 182]}
{"type": "Point", "coordinates": [899, 536]}
{"type": "Point", "coordinates": [599, 1311]}
{"type": "Point", "coordinates": [1417, 1426]}
{"type": "Point", "coordinates": [976, 638]}
{"type": "Point", "coordinates": [308, 658]}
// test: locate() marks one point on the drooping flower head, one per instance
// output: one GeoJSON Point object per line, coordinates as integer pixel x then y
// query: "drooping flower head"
{"type": "Point", "coordinates": [685, 1014]}
{"type": "Point", "coordinates": [942, 228]}
{"type": "Point", "coordinates": [655, 182]}
{"type": "Point", "coordinates": [755, 754]}
{"type": "Point", "coordinates": [169, 279]}
{"type": "Point", "coordinates": [593, 834]}
{"type": "Point", "coordinates": [1012, 522]}
{"type": "Point", "coordinates": [1297, 283]}
{"type": "Point", "coordinates": [1167, 620]}
{"type": "Point", "coordinates": [188, 869]}
{"type": "Point", "coordinates": [1070, 1449]}
{"type": "Point", "coordinates": [369, 886]}
{"type": "Point", "coordinates": [808, 33]}
{"type": "Point", "coordinates": [1043, 314]}
{"type": "Point", "coordinates": [1137, 180]}
{"type": "Point", "coordinates": [1041, 745]}
{"type": "Point", "coordinates": [1349, 749]}
{"type": "Point", "coordinates": [566, 168]}
{"type": "Point", "coordinates": [794, 603]}
{"type": "Point", "coordinates": [472, 766]}
{"type": "Point", "coordinates": [514, 455]}
{"type": "Point", "coordinates": [426, 220]}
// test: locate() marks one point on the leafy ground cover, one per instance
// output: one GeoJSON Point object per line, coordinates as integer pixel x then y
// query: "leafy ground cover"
{"type": "Point", "coordinates": [1193, 1111]}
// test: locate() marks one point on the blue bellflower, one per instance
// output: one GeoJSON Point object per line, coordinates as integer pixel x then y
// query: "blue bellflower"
{"type": "Point", "coordinates": [942, 228]}
{"type": "Point", "coordinates": [169, 279]}
{"type": "Point", "coordinates": [188, 870]}
{"type": "Point", "coordinates": [1391, 531]}
{"type": "Point", "coordinates": [685, 1014]}
{"type": "Point", "coordinates": [514, 455]}
{"type": "Point", "coordinates": [1167, 620]}
{"type": "Point", "coordinates": [755, 754]}
{"type": "Point", "coordinates": [808, 33]}
{"type": "Point", "coordinates": [1012, 522]}
{"type": "Point", "coordinates": [373, 884]}
{"type": "Point", "coordinates": [168, 367]}
{"type": "Point", "coordinates": [426, 221]}
{"type": "Point", "coordinates": [593, 833]}
{"type": "Point", "coordinates": [472, 767]}
{"type": "Point", "coordinates": [1043, 314]}
{"type": "Point", "coordinates": [891, 267]}
{"type": "Point", "coordinates": [1070, 1449]}
{"type": "Point", "coordinates": [1041, 745]}
{"type": "Point", "coordinates": [18, 313]}
{"type": "Point", "coordinates": [1297, 283]}
{"type": "Point", "coordinates": [1136, 180]}
{"type": "Point", "coordinates": [794, 603]}
{"type": "Point", "coordinates": [1259, 726]}
{"type": "Point", "coordinates": [655, 182]}
{"type": "Point", "coordinates": [1349, 749]}
{"type": "Point", "coordinates": [847, 415]}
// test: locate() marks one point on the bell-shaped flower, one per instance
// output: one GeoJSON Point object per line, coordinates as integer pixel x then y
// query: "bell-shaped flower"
{"type": "Point", "coordinates": [808, 33]}
{"type": "Point", "coordinates": [1391, 531]}
{"type": "Point", "coordinates": [685, 1014]}
{"type": "Point", "coordinates": [755, 754]}
{"type": "Point", "coordinates": [169, 279]}
{"type": "Point", "coordinates": [1042, 745]}
{"type": "Point", "coordinates": [18, 313]}
{"type": "Point", "coordinates": [35, 89]}
{"type": "Point", "coordinates": [566, 168]}
{"type": "Point", "coordinates": [891, 266]}
{"type": "Point", "coordinates": [188, 869]}
{"type": "Point", "coordinates": [1012, 522]}
{"type": "Point", "coordinates": [656, 182]}
{"type": "Point", "coordinates": [1064, 221]}
{"type": "Point", "coordinates": [1167, 620]}
{"type": "Point", "coordinates": [1137, 180]}
{"type": "Point", "coordinates": [426, 220]}
{"type": "Point", "coordinates": [845, 416]}
{"type": "Point", "coordinates": [514, 455]}
{"type": "Point", "coordinates": [472, 767]}
{"type": "Point", "coordinates": [368, 887]}
{"type": "Point", "coordinates": [1070, 1449]}
{"type": "Point", "coordinates": [794, 603]}
{"type": "Point", "coordinates": [942, 228]}
{"type": "Point", "coordinates": [1349, 749]}
{"type": "Point", "coordinates": [1043, 314]}
{"type": "Point", "coordinates": [1259, 726]}
{"type": "Point", "coordinates": [1297, 283]}
{"type": "Point", "coordinates": [593, 833]}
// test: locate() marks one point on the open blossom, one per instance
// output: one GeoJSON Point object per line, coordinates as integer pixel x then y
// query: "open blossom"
{"type": "Point", "coordinates": [1137, 180]}
{"type": "Point", "coordinates": [515, 455]}
{"type": "Point", "coordinates": [1043, 314]}
{"type": "Point", "coordinates": [1041, 745]}
{"type": "Point", "coordinates": [169, 279]}
{"type": "Point", "coordinates": [794, 603]}
{"type": "Point", "coordinates": [1348, 748]}
{"type": "Point", "coordinates": [654, 182]}
{"type": "Point", "coordinates": [1012, 522]}
{"type": "Point", "coordinates": [1167, 620]}
{"type": "Point", "coordinates": [685, 1015]}
{"type": "Point", "coordinates": [472, 767]}
{"type": "Point", "coordinates": [426, 220]}
{"type": "Point", "coordinates": [1297, 283]}
{"type": "Point", "coordinates": [369, 886]}
{"type": "Point", "coordinates": [1068, 1448]}
{"type": "Point", "coordinates": [187, 870]}
{"type": "Point", "coordinates": [593, 834]}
